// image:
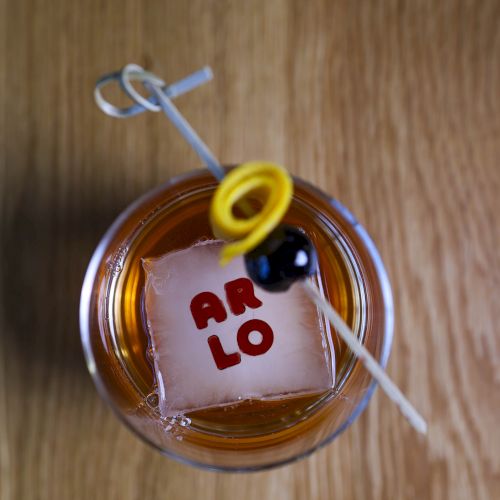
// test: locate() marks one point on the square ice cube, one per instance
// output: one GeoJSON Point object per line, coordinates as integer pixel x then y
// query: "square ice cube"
{"type": "Point", "coordinates": [216, 339]}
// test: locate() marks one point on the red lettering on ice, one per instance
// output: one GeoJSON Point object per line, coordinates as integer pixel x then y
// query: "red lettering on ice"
{"type": "Point", "coordinates": [222, 360]}
{"type": "Point", "coordinates": [207, 305]}
{"type": "Point", "coordinates": [240, 293]}
{"type": "Point", "coordinates": [243, 337]}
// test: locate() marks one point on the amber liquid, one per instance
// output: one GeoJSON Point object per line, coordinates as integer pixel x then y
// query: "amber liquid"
{"type": "Point", "coordinates": [180, 223]}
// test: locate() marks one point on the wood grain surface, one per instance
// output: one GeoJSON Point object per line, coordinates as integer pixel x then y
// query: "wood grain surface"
{"type": "Point", "coordinates": [393, 107]}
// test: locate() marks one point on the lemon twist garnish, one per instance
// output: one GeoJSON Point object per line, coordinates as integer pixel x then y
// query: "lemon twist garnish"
{"type": "Point", "coordinates": [270, 184]}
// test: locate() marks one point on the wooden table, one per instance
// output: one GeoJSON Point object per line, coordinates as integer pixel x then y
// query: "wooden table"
{"type": "Point", "coordinates": [393, 107]}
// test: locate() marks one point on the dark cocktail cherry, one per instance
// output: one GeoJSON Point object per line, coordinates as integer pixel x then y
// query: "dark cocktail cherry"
{"type": "Point", "coordinates": [285, 256]}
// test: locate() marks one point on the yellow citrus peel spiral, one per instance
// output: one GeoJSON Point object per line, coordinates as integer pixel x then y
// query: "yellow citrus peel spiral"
{"type": "Point", "coordinates": [270, 184]}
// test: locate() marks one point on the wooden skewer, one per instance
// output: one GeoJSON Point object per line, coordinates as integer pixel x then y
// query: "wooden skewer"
{"type": "Point", "coordinates": [360, 351]}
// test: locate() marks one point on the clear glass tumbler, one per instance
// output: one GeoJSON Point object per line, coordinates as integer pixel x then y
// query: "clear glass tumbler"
{"type": "Point", "coordinates": [254, 435]}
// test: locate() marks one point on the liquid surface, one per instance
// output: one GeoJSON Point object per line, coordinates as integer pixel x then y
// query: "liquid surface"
{"type": "Point", "coordinates": [180, 225]}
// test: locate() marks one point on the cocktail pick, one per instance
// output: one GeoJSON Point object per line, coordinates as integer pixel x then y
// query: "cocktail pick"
{"type": "Point", "coordinates": [257, 176]}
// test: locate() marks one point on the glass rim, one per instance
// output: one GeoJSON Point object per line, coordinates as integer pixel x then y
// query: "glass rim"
{"type": "Point", "coordinates": [84, 319]}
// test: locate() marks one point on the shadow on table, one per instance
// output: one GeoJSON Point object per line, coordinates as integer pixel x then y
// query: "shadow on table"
{"type": "Point", "coordinates": [46, 246]}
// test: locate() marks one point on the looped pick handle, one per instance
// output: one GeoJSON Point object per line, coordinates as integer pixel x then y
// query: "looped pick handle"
{"type": "Point", "coordinates": [273, 186]}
